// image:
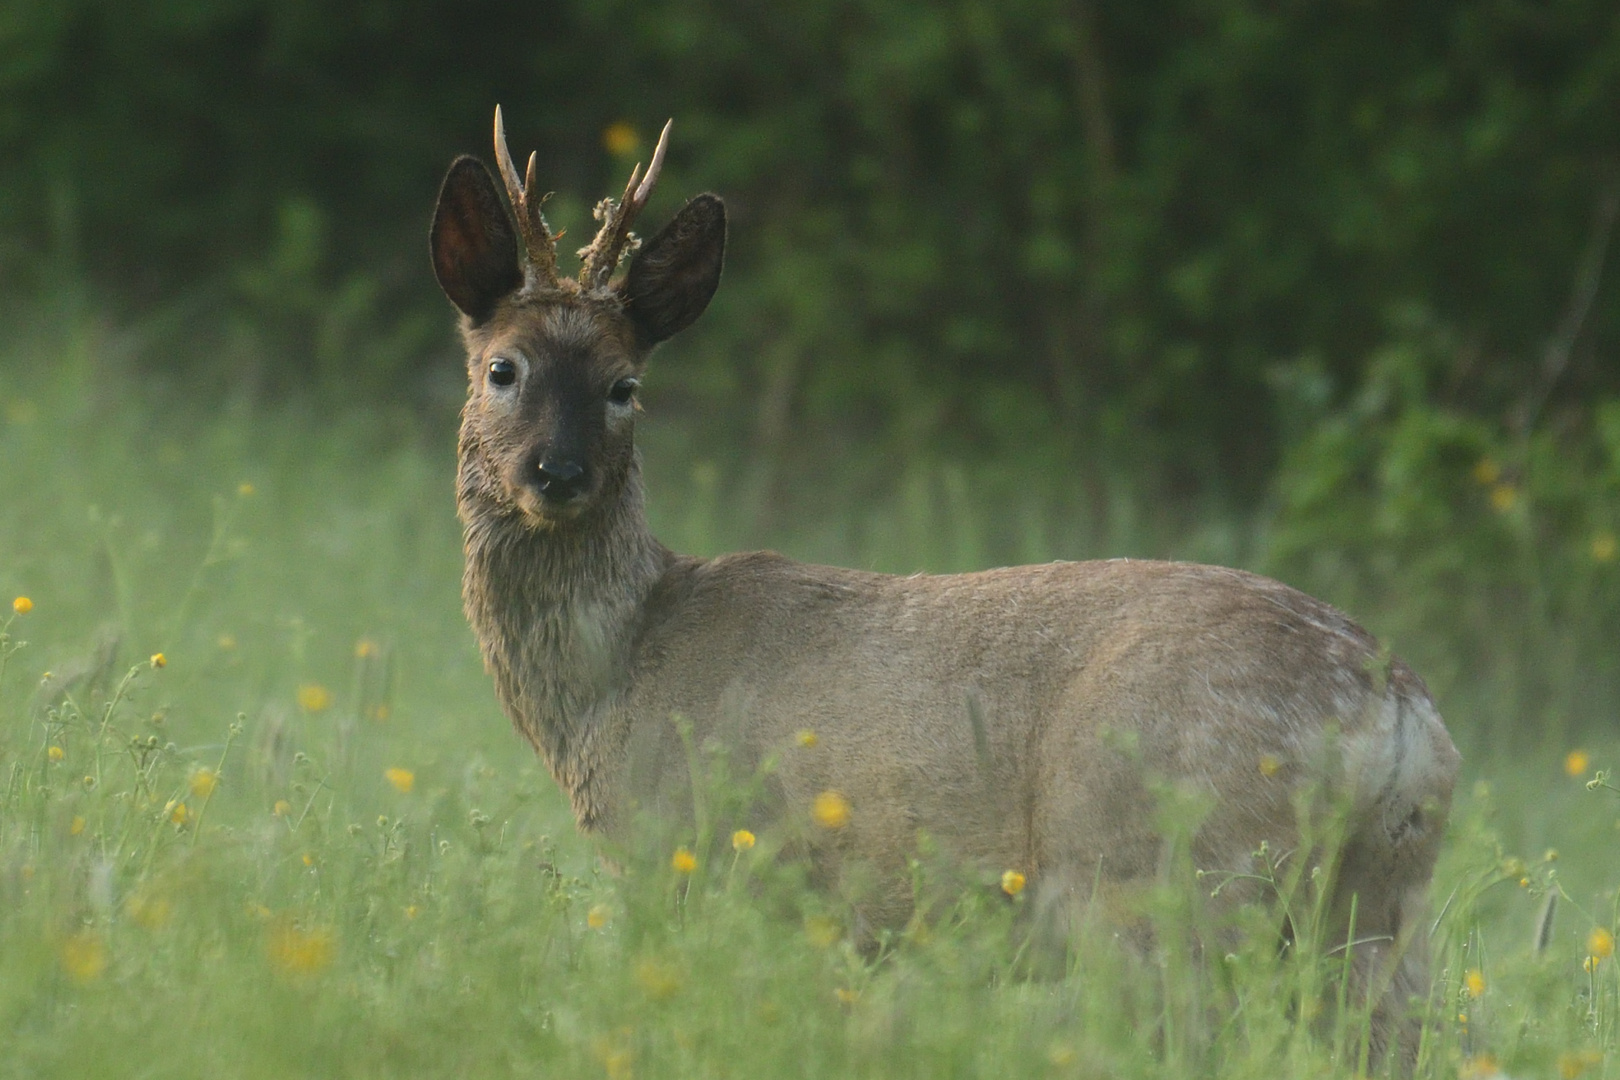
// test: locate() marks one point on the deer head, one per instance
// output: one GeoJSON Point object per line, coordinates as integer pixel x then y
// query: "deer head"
{"type": "Point", "coordinates": [554, 363]}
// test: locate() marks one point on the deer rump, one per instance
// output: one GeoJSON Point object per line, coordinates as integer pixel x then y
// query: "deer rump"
{"type": "Point", "coordinates": [1020, 717]}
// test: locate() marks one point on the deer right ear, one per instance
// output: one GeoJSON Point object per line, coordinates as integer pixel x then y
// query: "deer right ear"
{"type": "Point", "coordinates": [475, 253]}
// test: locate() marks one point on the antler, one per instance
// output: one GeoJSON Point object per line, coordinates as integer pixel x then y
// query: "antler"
{"type": "Point", "coordinates": [602, 256]}
{"type": "Point", "coordinates": [538, 240]}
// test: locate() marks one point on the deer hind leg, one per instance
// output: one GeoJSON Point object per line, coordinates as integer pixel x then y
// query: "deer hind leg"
{"type": "Point", "coordinates": [1381, 886]}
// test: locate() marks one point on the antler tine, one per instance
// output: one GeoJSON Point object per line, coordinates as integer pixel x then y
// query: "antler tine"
{"type": "Point", "coordinates": [601, 258]}
{"type": "Point", "coordinates": [644, 191]}
{"type": "Point", "coordinates": [538, 243]}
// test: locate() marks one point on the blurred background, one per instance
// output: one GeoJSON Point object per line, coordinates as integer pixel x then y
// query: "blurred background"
{"type": "Point", "coordinates": [1322, 289]}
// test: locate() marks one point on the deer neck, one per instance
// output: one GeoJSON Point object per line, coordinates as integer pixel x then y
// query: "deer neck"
{"type": "Point", "coordinates": [557, 612]}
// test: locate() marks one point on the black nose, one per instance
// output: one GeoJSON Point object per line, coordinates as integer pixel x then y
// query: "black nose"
{"type": "Point", "coordinates": [561, 480]}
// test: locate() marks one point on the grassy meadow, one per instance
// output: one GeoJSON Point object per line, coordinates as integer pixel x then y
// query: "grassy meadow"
{"type": "Point", "coordinates": [260, 816]}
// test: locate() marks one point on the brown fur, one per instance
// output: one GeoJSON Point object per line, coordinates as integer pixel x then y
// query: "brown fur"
{"type": "Point", "coordinates": [1017, 716]}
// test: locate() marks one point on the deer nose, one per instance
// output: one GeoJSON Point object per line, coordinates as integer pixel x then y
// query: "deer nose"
{"type": "Point", "coordinates": [561, 480]}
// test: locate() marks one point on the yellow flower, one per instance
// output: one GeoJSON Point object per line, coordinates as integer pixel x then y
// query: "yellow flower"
{"type": "Point", "coordinates": [365, 648]}
{"type": "Point", "coordinates": [1577, 762]}
{"type": "Point", "coordinates": [831, 810]}
{"type": "Point", "coordinates": [55, 753]}
{"type": "Point", "coordinates": [77, 826]}
{"type": "Point", "coordinates": [151, 912]}
{"type": "Point", "coordinates": [822, 931]}
{"type": "Point", "coordinates": [683, 861]}
{"type": "Point", "coordinates": [1504, 497]}
{"type": "Point", "coordinates": [244, 490]}
{"type": "Point", "coordinates": [620, 138]}
{"type": "Point", "coordinates": [402, 779]}
{"type": "Point", "coordinates": [846, 996]}
{"type": "Point", "coordinates": [597, 917]}
{"type": "Point", "coordinates": [742, 840]}
{"type": "Point", "coordinates": [177, 812]}
{"type": "Point", "coordinates": [658, 979]}
{"type": "Point", "coordinates": [297, 951]}
{"type": "Point", "coordinates": [203, 782]}
{"type": "Point", "coordinates": [411, 911]}
{"type": "Point", "coordinates": [83, 956]}
{"type": "Point", "coordinates": [618, 1064]}
{"type": "Point", "coordinates": [1600, 943]}
{"type": "Point", "coordinates": [806, 738]}
{"type": "Point", "coordinates": [1475, 982]}
{"type": "Point", "coordinates": [313, 697]}
{"type": "Point", "coordinates": [1605, 547]}
{"type": "Point", "coordinates": [282, 808]}
{"type": "Point", "coordinates": [1269, 764]}
{"type": "Point", "coordinates": [159, 660]}
{"type": "Point", "coordinates": [1573, 1065]}
{"type": "Point", "coordinates": [1487, 472]}
{"type": "Point", "coordinates": [1480, 1067]}
{"type": "Point", "coordinates": [1012, 883]}
{"type": "Point", "coordinates": [22, 605]}
{"type": "Point", "coordinates": [309, 859]}
{"type": "Point", "coordinates": [227, 642]}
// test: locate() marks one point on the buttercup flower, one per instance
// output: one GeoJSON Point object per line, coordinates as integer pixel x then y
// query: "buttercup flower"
{"type": "Point", "coordinates": [296, 951]}
{"type": "Point", "coordinates": [55, 753]}
{"type": "Point", "coordinates": [1600, 943]}
{"type": "Point", "coordinates": [683, 861]}
{"type": "Point", "coordinates": [83, 956]}
{"type": "Point", "coordinates": [830, 810]}
{"type": "Point", "coordinates": [620, 138]}
{"type": "Point", "coordinates": [402, 779]}
{"type": "Point", "coordinates": [1577, 762]}
{"type": "Point", "coordinates": [313, 697]}
{"type": "Point", "coordinates": [22, 605]}
{"type": "Point", "coordinates": [203, 782]}
{"type": "Point", "coordinates": [1012, 883]}
{"type": "Point", "coordinates": [742, 840]}
{"type": "Point", "coordinates": [1605, 547]}
{"type": "Point", "coordinates": [1474, 981]}
{"type": "Point", "coordinates": [159, 660]}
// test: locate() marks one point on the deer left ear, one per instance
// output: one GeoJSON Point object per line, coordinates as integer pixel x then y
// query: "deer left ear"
{"type": "Point", "coordinates": [674, 275]}
{"type": "Point", "coordinates": [475, 252]}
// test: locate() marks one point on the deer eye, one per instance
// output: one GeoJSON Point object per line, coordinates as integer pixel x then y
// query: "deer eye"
{"type": "Point", "coordinates": [502, 372]}
{"type": "Point", "coordinates": [623, 391]}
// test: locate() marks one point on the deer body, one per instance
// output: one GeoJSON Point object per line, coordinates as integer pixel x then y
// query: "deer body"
{"type": "Point", "coordinates": [1017, 716]}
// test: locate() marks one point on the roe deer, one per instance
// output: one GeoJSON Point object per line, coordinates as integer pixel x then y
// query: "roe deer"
{"type": "Point", "coordinates": [1015, 715]}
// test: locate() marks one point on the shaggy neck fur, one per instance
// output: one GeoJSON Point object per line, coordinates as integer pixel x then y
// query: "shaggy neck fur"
{"type": "Point", "coordinates": [557, 611]}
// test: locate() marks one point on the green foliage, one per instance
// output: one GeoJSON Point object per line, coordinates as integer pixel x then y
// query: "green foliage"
{"type": "Point", "coordinates": [1489, 555]}
{"type": "Point", "coordinates": [1099, 227]}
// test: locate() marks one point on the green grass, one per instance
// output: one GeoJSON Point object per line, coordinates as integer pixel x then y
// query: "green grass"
{"type": "Point", "coordinates": [308, 913]}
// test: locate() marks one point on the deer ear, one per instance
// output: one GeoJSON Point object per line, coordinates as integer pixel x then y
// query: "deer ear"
{"type": "Point", "coordinates": [674, 275]}
{"type": "Point", "coordinates": [475, 253]}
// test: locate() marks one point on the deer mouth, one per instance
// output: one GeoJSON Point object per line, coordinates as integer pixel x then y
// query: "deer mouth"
{"type": "Point", "coordinates": [543, 512]}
